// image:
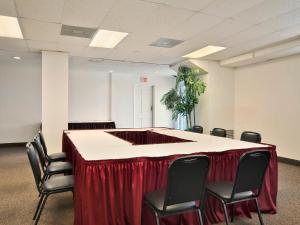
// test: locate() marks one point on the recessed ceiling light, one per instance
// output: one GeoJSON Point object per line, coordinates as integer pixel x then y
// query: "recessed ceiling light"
{"type": "Point", "coordinates": [107, 39]}
{"type": "Point", "coordinates": [9, 27]}
{"type": "Point", "coordinates": [17, 57]}
{"type": "Point", "coordinates": [210, 49]}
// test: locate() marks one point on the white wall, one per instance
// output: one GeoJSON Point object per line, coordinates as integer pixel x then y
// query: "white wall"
{"type": "Point", "coordinates": [88, 91]}
{"type": "Point", "coordinates": [21, 94]}
{"type": "Point", "coordinates": [55, 79]}
{"type": "Point", "coordinates": [20, 98]}
{"type": "Point", "coordinates": [263, 97]}
{"type": "Point", "coordinates": [123, 99]}
{"type": "Point", "coordinates": [267, 100]}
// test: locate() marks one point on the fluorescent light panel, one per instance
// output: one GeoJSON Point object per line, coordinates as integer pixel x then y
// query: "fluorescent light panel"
{"type": "Point", "coordinates": [9, 27]}
{"type": "Point", "coordinates": [107, 39]}
{"type": "Point", "coordinates": [210, 49]}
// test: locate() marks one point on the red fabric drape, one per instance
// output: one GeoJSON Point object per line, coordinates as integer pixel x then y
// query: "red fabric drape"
{"type": "Point", "coordinates": [91, 125]}
{"type": "Point", "coordinates": [110, 192]}
{"type": "Point", "coordinates": [146, 137]}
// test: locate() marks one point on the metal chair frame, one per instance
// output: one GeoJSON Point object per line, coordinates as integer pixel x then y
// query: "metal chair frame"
{"type": "Point", "coordinates": [254, 197]}
{"type": "Point", "coordinates": [199, 209]}
{"type": "Point", "coordinates": [34, 162]}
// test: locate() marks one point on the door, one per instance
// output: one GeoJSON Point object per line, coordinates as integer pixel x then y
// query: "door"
{"type": "Point", "coordinates": [143, 106]}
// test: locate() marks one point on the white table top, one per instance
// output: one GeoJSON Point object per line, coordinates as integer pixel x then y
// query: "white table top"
{"type": "Point", "coordinates": [99, 145]}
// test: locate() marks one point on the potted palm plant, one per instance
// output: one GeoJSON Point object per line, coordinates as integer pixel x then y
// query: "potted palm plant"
{"type": "Point", "coordinates": [182, 99]}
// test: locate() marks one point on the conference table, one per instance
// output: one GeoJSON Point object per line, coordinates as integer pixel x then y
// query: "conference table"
{"type": "Point", "coordinates": [114, 168]}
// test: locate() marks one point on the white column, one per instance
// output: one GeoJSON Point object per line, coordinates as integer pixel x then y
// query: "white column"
{"type": "Point", "coordinates": [55, 71]}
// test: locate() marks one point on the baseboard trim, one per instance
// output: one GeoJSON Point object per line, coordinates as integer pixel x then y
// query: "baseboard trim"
{"type": "Point", "coordinates": [7, 145]}
{"type": "Point", "coordinates": [289, 161]}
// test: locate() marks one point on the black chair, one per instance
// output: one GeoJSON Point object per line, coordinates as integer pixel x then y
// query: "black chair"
{"type": "Point", "coordinates": [220, 132]}
{"type": "Point", "coordinates": [55, 157]}
{"type": "Point", "coordinates": [247, 185]}
{"type": "Point", "coordinates": [53, 168]}
{"type": "Point", "coordinates": [197, 129]}
{"type": "Point", "coordinates": [251, 137]}
{"type": "Point", "coordinates": [54, 185]}
{"type": "Point", "coordinates": [186, 185]}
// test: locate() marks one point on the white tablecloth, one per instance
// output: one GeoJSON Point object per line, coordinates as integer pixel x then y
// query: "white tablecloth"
{"type": "Point", "coordinates": [100, 145]}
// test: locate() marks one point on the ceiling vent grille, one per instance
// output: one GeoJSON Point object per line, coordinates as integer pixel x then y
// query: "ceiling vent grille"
{"type": "Point", "coordinates": [166, 43]}
{"type": "Point", "coordinates": [82, 32]}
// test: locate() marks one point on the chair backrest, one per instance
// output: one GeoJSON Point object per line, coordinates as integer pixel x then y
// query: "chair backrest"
{"type": "Point", "coordinates": [197, 129]}
{"type": "Point", "coordinates": [251, 172]}
{"type": "Point", "coordinates": [187, 180]}
{"type": "Point", "coordinates": [220, 132]}
{"type": "Point", "coordinates": [40, 151]}
{"type": "Point", "coordinates": [251, 136]}
{"type": "Point", "coordinates": [34, 163]}
{"type": "Point", "coordinates": [42, 140]}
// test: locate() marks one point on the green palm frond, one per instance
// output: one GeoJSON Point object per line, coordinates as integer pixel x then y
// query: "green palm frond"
{"type": "Point", "coordinates": [183, 103]}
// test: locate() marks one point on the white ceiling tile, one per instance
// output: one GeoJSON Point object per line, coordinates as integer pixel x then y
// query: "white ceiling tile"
{"type": "Point", "coordinates": [95, 52]}
{"type": "Point", "coordinates": [37, 46]}
{"type": "Point", "coordinates": [273, 38]}
{"type": "Point", "coordinates": [123, 54]}
{"type": "Point", "coordinates": [245, 36]}
{"type": "Point", "coordinates": [128, 16]}
{"type": "Point", "coordinates": [88, 13]}
{"type": "Point", "coordinates": [24, 55]}
{"type": "Point", "coordinates": [266, 10]}
{"type": "Point", "coordinates": [70, 40]}
{"type": "Point", "coordinates": [7, 8]}
{"type": "Point", "coordinates": [192, 26]}
{"type": "Point", "coordinates": [194, 5]}
{"type": "Point", "coordinates": [222, 30]}
{"type": "Point", "coordinates": [228, 8]}
{"type": "Point", "coordinates": [41, 31]}
{"type": "Point", "coordinates": [136, 41]}
{"type": "Point", "coordinates": [71, 49]}
{"type": "Point", "coordinates": [254, 24]}
{"type": "Point", "coordinates": [165, 18]}
{"type": "Point", "coordinates": [279, 36]}
{"type": "Point", "coordinates": [44, 10]}
{"type": "Point", "coordinates": [282, 21]}
{"type": "Point", "coordinates": [12, 44]}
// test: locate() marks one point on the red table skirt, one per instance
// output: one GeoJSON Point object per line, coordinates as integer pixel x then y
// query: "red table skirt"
{"type": "Point", "coordinates": [110, 192]}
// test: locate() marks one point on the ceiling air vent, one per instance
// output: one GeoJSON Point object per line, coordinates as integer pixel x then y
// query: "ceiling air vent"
{"type": "Point", "coordinates": [82, 32]}
{"type": "Point", "coordinates": [166, 43]}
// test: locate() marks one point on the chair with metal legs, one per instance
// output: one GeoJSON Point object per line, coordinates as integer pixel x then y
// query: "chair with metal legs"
{"type": "Point", "coordinates": [54, 185]}
{"type": "Point", "coordinates": [53, 168]}
{"type": "Point", "coordinates": [54, 157]}
{"type": "Point", "coordinates": [185, 188]}
{"type": "Point", "coordinates": [247, 185]}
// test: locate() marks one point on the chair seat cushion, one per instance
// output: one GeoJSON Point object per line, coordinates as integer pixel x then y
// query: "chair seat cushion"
{"type": "Point", "coordinates": [224, 189]}
{"type": "Point", "coordinates": [60, 156]}
{"type": "Point", "coordinates": [59, 167]}
{"type": "Point", "coordinates": [156, 201]}
{"type": "Point", "coordinates": [58, 182]}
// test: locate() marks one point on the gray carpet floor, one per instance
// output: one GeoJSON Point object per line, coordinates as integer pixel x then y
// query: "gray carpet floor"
{"type": "Point", "coordinates": [18, 195]}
